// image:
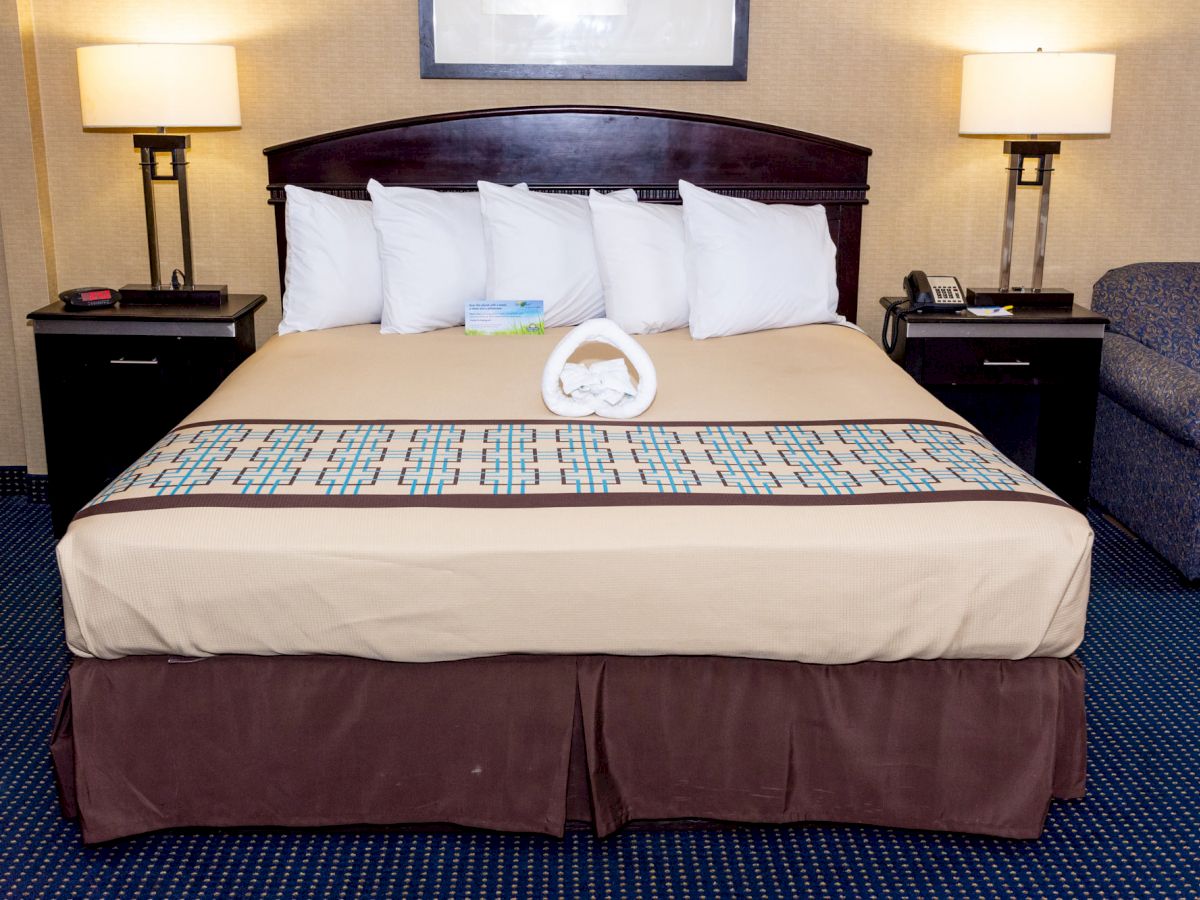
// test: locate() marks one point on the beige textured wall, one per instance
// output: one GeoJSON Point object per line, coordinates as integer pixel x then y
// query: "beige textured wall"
{"type": "Point", "coordinates": [25, 232]}
{"type": "Point", "coordinates": [877, 73]}
{"type": "Point", "coordinates": [12, 435]}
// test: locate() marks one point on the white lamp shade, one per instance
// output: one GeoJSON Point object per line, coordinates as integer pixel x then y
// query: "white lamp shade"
{"type": "Point", "coordinates": [159, 85]}
{"type": "Point", "coordinates": [557, 8]}
{"type": "Point", "coordinates": [1037, 93]}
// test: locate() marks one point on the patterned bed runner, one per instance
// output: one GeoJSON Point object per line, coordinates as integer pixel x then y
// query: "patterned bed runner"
{"type": "Point", "coordinates": [566, 463]}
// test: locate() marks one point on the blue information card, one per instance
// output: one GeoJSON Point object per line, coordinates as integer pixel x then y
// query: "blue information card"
{"type": "Point", "coordinates": [505, 317]}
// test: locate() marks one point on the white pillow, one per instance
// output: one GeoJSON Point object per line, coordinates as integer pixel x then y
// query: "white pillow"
{"type": "Point", "coordinates": [432, 250]}
{"type": "Point", "coordinates": [640, 252]}
{"type": "Point", "coordinates": [333, 273]}
{"type": "Point", "coordinates": [539, 247]}
{"type": "Point", "coordinates": [753, 266]}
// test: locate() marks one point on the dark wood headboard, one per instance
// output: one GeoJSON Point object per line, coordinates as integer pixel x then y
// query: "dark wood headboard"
{"type": "Point", "coordinates": [568, 149]}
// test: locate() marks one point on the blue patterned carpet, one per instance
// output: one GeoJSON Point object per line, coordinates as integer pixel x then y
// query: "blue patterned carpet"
{"type": "Point", "coordinates": [1137, 834]}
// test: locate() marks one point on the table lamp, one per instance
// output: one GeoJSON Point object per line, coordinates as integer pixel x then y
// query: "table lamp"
{"type": "Point", "coordinates": [162, 86]}
{"type": "Point", "coordinates": [1033, 94]}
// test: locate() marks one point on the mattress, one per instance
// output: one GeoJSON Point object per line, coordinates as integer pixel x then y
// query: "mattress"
{"type": "Point", "coordinates": [791, 495]}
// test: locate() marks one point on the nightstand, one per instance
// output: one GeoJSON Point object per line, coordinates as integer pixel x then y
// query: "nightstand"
{"type": "Point", "coordinates": [1027, 381]}
{"type": "Point", "coordinates": [113, 381]}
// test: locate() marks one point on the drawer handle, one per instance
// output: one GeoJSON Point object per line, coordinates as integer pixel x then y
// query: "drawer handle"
{"type": "Point", "coordinates": [1005, 362]}
{"type": "Point", "coordinates": [134, 362]}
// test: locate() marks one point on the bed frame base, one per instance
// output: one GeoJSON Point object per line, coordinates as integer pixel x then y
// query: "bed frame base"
{"type": "Point", "coordinates": [530, 744]}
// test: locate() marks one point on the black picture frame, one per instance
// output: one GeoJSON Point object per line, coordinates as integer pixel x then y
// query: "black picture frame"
{"type": "Point", "coordinates": [430, 68]}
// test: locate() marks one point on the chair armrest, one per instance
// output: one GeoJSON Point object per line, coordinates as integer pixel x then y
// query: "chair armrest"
{"type": "Point", "coordinates": [1156, 304]}
{"type": "Point", "coordinates": [1159, 390]}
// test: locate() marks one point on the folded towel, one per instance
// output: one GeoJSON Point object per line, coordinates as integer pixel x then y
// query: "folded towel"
{"type": "Point", "coordinates": [608, 380]}
{"type": "Point", "coordinates": [602, 388]}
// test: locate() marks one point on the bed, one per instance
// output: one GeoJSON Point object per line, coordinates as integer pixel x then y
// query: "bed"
{"type": "Point", "coordinates": [372, 582]}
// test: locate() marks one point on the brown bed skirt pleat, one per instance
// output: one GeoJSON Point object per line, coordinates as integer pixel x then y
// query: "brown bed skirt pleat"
{"type": "Point", "coordinates": [974, 746]}
{"type": "Point", "coordinates": [526, 743]}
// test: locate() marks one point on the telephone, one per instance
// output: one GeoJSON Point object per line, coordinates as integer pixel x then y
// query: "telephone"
{"type": "Point", "coordinates": [935, 293]}
{"type": "Point", "coordinates": [939, 291]}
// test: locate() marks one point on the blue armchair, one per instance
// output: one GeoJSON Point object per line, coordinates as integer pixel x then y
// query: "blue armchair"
{"type": "Point", "coordinates": [1146, 460]}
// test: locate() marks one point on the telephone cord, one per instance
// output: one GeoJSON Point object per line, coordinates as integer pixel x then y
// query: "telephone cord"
{"type": "Point", "coordinates": [891, 317]}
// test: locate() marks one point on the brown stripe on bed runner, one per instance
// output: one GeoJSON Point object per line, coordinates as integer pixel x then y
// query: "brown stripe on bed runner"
{"type": "Point", "coordinates": [599, 423]}
{"type": "Point", "coordinates": [545, 501]}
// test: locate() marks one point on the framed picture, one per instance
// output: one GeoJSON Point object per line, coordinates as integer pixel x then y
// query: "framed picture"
{"type": "Point", "coordinates": [640, 40]}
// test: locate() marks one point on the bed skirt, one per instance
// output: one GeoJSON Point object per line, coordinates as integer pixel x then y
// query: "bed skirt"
{"type": "Point", "coordinates": [529, 743]}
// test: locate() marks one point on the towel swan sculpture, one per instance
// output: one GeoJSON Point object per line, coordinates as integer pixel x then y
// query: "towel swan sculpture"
{"type": "Point", "coordinates": [583, 403]}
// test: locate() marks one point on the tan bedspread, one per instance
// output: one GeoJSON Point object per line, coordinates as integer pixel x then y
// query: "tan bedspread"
{"type": "Point", "coordinates": [961, 576]}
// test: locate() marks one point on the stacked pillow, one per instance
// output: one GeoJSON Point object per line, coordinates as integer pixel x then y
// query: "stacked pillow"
{"type": "Point", "coordinates": [640, 250]}
{"type": "Point", "coordinates": [540, 247]}
{"type": "Point", "coordinates": [333, 275]}
{"type": "Point", "coordinates": [753, 266]}
{"type": "Point", "coordinates": [411, 259]}
{"type": "Point", "coordinates": [433, 253]}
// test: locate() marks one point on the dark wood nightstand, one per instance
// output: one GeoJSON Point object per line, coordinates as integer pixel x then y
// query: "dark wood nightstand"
{"type": "Point", "coordinates": [1027, 381]}
{"type": "Point", "coordinates": [114, 381]}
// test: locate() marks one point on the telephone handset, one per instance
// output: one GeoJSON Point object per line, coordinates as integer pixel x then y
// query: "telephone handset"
{"type": "Point", "coordinates": [924, 292]}
{"type": "Point", "coordinates": [938, 291]}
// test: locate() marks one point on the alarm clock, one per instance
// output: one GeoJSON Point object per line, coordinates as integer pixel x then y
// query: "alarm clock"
{"type": "Point", "coordinates": [90, 297]}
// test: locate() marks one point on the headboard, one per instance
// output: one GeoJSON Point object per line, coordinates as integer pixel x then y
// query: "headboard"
{"type": "Point", "coordinates": [568, 149]}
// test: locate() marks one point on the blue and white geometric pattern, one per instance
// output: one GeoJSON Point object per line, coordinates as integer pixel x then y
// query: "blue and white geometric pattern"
{"type": "Point", "coordinates": [1135, 834]}
{"type": "Point", "coordinates": [532, 460]}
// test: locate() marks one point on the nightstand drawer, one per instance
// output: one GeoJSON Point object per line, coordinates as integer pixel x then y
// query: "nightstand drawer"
{"type": "Point", "coordinates": [138, 369]}
{"type": "Point", "coordinates": [126, 360]}
{"type": "Point", "coordinates": [1004, 360]}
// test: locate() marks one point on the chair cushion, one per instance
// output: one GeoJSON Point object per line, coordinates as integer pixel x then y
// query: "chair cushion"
{"type": "Point", "coordinates": [1156, 304]}
{"type": "Point", "coordinates": [1161, 391]}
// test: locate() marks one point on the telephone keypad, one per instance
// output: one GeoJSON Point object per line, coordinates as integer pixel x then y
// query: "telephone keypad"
{"type": "Point", "coordinates": [946, 294]}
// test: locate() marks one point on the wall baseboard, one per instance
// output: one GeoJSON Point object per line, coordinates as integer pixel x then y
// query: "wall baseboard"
{"type": "Point", "coordinates": [15, 481]}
